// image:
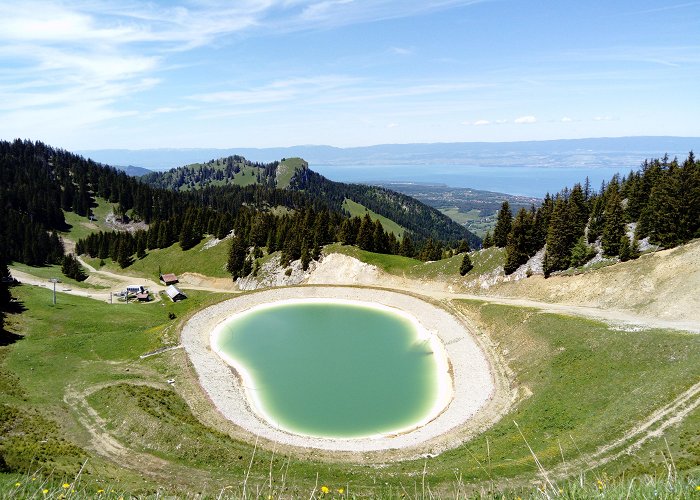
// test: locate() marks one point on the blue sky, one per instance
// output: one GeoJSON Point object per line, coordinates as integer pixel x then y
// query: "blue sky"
{"type": "Point", "coordinates": [88, 74]}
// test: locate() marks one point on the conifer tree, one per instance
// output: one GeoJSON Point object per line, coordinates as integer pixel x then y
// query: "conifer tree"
{"type": "Point", "coordinates": [614, 228]}
{"type": "Point", "coordinates": [597, 219]}
{"type": "Point", "coordinates": [519, 241]}
{"type": "Point", "coordinates": [463, 246]}
{"type": "Point", "coordinates": [72, 268]}
{"type": "Point", "coordinates": [487, 242]}
{"type": "Point", "coordinates": [543, 214]}
{"type": "Point", "coordinates": [123, 253]}
{"type": "Point", "coordinates": [380, 241]}
{"type": "Point", "coordinates": [581, 253]}
{"type": "Point", "coordinates": [503, 224]}
{"type": "Point", "coordinates": [236, 257]}
{"type": "Point", "coordinates": [466, 265]}
{"type": "Point", "coordinates": [625, 248]}
{"type": "Point", "coordinates": [247, 267]}
{"type": "Point", "coordinates": [578, 212]}
{"type": "Point", "coordinates": [365, 235]}
{"type": "Point", "coordinates": [558, 247]}
{"type": "Point", "coordinates": [406, 248]}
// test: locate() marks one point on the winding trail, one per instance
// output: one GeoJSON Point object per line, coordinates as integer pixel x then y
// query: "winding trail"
{"type": "Point", "coordinates": [640, 432]}
{"type": "Point", "coordinates": [613, 317]}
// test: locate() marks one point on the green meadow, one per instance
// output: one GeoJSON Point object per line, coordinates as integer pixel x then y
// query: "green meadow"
{"type": "Point", "coordinates": [78, 401]}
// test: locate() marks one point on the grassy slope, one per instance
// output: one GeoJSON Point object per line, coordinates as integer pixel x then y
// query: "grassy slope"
{"type": "Point", "coordinates": [210, 262]}
{"type": "Point", "coordinates": [357, 210]}
{"type": "Point", "coordinates": [588, 382]}
{"type": "Point", "coordinates": [286, 170]}
{"type": "Point", "coordinates": [82, 227]}
{"type": "Point", "coordinates": [484, 261]}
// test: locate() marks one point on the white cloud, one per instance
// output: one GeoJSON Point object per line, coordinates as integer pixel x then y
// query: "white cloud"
{"type": "Point", "coordinates": [602, 118]}
{"type": "Point", "coordinates": [566, 119]}
{"type": "Point", "coordinates": [392, 125]}
{"type": "Point", "coordinates": [524, 120]}
{"type": "Point", "coordinates": [401, 51]}
{"type": "Point", "coordinates": [479, 123]}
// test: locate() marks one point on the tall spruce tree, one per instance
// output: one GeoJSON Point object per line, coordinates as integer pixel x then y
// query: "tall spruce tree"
{"type": "Point", "coordinates": [519, 241]}
{"type": "Point", "coordinates": [503, 224]}
{"type": "Point", "coordinates": [557, 256]}
{"type": "Point", "coordinates": [238, 251]}
{"type": "Point", "coordinates": [614, 228]}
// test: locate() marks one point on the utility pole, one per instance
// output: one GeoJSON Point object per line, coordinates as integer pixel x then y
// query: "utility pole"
{"type": "Point", "coordinates": [54, 281]}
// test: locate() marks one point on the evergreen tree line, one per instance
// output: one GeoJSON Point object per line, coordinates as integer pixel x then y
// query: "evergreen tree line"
{"type": "Point", "coordinates": [300, 236]}
{"type": "Point", "coordinates": [422, 221]}
{"type": "Point", "coordinates": [72, 268]}
{"type": "Point", "coordinates": [662, 199]}
{"type": "Point", "coordinates": [219, 170]}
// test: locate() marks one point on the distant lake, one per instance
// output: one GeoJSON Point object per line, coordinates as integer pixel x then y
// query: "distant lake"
{"type": "Point", "coordinates": [526, 181]}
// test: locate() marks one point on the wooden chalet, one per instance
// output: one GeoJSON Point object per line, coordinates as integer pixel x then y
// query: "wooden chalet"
{"type": "Point", "coordinates": [169, 278]}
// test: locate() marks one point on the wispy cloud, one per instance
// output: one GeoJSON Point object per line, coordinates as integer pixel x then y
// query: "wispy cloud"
{"type": "Point", "coordinates": [566, 119]}
{"type": "Point", "coordinates": [55, 53]}
{"type": "Point", "coordinates": [525, 120]}
{"type": "Point", "coordinates": [401, 51]}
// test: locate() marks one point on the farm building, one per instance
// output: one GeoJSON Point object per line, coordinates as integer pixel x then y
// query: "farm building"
{"type": "Point", "coordinates": [143, 297]}
{"type": "Point", "coordinates": [174, 293]}
{"type": "Point", "coordinates": [169, 279]}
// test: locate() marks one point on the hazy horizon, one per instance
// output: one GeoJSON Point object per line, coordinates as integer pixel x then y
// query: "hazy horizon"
{"type": "Point", "coordinates": [94, 74]}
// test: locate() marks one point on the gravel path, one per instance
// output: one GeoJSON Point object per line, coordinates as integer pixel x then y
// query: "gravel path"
{"type": "Point", "coordinates": [472, 382]}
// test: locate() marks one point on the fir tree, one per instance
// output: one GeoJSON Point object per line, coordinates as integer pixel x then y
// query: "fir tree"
{"type": "Point", "coordinates": [123, 253]}
{"type": "Point", "coordinates": [247, 267]}
{"type": "Point", "coordinates": [406, 248]}
{"type": "Point", "coordinates": [236, 257]}
{"type": "Point", "coordinates": [519, 241]}
{"type": "Point", "coordinates": [466, 265]}
{"type": "Point", "coordinates": [365, 235]}
{"type": "Point", "coordinates": [625, 248]}
{"type": "Point", "coordinates": [614, 228]}
{"type": "Point", "coordinates": [487, 241]}
{"type": "Point", "coordinates": [581, 253]}
{"type": "Point", "coordinates": [463, 246]}
{"type": "Point", "coordinates": [503, 224]}
{"type": "Point", "coordinates": [72, 268]}
{"type": "Point", "coordinates": [558, 252]}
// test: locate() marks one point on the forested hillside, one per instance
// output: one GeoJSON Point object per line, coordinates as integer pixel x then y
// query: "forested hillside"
{"type": "Point", "coordinates": [422, 221]}
{"type": "Point", "coordinates": [658, 204]}
{"type": "Point", "coordinates": [38, 183]}
{"type": "Point", "coordinates": [232, 170]}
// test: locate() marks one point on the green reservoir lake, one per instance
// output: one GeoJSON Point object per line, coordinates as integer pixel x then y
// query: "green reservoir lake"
{"type": "Point", "coordinates": [337, 369]}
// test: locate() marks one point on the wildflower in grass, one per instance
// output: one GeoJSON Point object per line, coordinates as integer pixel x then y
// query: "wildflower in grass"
{"type": "Point", "coordinates": [341, 490]}
{"type": "Point", "coordinates": [100, 491]}
{"type": "Point", "coordinates": [18, 485]}
{"type": "Point", "coordinates": [45, 491]}
{"type": "Point", "coordinates": [697, 488]}
{"type": "Point", "coordinates": [66, 486]}
{"type": "Point", "coordinates": [324, 489]}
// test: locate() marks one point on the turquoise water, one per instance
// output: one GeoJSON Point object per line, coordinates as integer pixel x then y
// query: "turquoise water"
{"type": "Point", "coordinates": [334, 369]}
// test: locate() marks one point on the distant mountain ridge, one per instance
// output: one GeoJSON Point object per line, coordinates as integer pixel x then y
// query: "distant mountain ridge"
{"type": "Point", "coordinates": [625, 152]}
{"type": "Point", "coordinates": [294, 174]}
